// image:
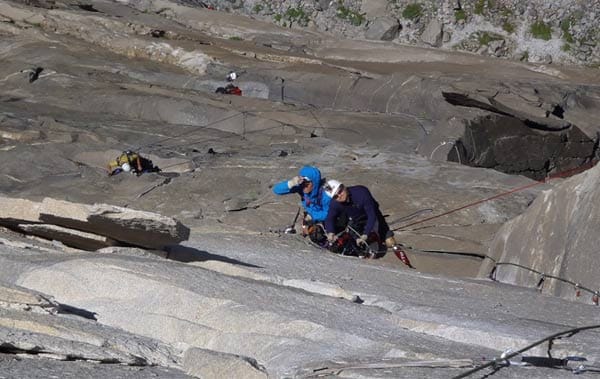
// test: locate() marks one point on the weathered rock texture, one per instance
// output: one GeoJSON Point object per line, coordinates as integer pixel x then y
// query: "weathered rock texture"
{"type": "Point", "coordinates": [246, 315]}
{"type": "Point", "coordinates": [383, 28]}
{"type": "Point", "coordinates": [91, 227]}
{"type": "Point", "coordinates": [531, 131]}
{"type": "Point", "coordinates": [15, 297]}
{"type": "Point", "coordinates": [556, 236]}
{"type": "Point", "coordinates": [204, 363]}
{"type": "Point", "coordinates": [540, 31]}
{"type": "Point", "coordinates": [506, 144]}
{"type": "Point", "coordinates": [357, 109]}
{"type": "Point", "coordinates": [526, 105]}
{"type": "Point", "coordinates": [79, 339]}
{"type": "Point", "coordinates": [18, 210]}
{"type": "Point", "coordinates": [68, 236]}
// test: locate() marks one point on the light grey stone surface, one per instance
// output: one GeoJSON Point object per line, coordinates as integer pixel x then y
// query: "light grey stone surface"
{"type": "Point", "coordinates": [410, 315]}
{"type": "Point", "coordinates": [15, 297]}
{"type": "Point", "coordinates": [365, 112]}
{"type": "Point", "coordinates": [383, 28]}
{"type": "Point", "coordinates": [209, 364]}
{"type": "Point", "coordinates": [81, 339]}
{"type": "Point", "coordinates": [18, 210]}
{"type": "Point", "coordinates": [38, 367]}
{"type": "Point", "coordinates": [432, 35]}
{"type": "Point", "coordinates": [375, 8]}
{"type": "Point", "coordinates": [555, 236]}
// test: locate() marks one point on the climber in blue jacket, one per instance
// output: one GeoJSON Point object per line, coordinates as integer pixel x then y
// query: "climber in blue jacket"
{"type": "Point", "coordinates": [309, 185]}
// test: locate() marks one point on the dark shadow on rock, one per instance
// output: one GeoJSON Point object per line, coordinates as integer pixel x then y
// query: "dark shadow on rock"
{"type": "Point", "coordinates": [34, 74]}
{"type": "Point", "coordinates": [87, 7]}
{"type": "Point", "coordinates": [69, 309]}
{"type": "Point", "coordinates": [379, 254]}
{"type": "Point", "coordinates": [512, 146]}
{"type": "Point", "coordinates": [189, 254]}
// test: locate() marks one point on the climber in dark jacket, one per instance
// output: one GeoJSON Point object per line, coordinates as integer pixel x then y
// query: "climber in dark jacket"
{"type": "Point", "coordinates": [356, 208]}
{"type": "Point", "coordinates": [361, 210]}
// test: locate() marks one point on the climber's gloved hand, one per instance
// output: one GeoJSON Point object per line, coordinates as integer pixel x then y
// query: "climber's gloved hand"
{"type": "Point", "coordinates": [330, 237]}
{"type": "Point", "coordinates": [295, 181]}
{"type": "Point", "coordinates": [362, 240]}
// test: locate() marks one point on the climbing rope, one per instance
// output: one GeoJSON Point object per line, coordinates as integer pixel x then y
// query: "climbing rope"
{"type": "Point", "coordinates": [543, 276]}
{"type": "Point", "coordinates": [187, 133]}
{"type": "Point", "coordinates": [496, 363]}
{"type": "Point", "coordinates": [244, 114]}
{"type": "Point", "coordinates": [562, 174]}
{"type": "Point", "coordinates": [578, 287]}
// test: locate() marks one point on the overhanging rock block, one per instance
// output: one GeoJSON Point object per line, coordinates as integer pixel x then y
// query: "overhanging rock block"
{"type": "Point", "coordinates": [138, 228]}
{"type": "Point", "coordinates": [16, 211]}
{"type": "Point", "coordinates": [70, 237]}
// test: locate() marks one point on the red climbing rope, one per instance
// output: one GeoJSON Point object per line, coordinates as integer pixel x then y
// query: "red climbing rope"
{"type": "Point", "coordinates": [562, 174]}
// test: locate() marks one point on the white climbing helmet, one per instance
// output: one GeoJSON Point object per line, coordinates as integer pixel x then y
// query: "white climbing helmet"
{"type": "Point", "coordinates": [332, 186]}
{"type": "Point", "coordinates": [126, 167]}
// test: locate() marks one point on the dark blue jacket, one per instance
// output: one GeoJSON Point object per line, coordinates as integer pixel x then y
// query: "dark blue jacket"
{"type": "Point", "coordinates": [316, 203]}
{"type": "Point", "coordinates": [360, 206]}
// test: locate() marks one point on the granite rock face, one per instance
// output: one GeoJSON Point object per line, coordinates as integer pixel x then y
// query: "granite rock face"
{"type": "Point", "coordinates": [556, 236]}
{"type": "Point", "coordinates": [509, 145]}
{"type": "Point", "coordinates": [530, 131]}
{"type": "Point", "coordinates": [203, 363]}
{"type": "Point", "coordinates": [80, 83]}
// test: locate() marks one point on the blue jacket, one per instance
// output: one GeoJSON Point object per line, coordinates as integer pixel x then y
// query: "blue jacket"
{"type": "Point", "coordinates": [316, 203]}
{"type": "Point", "coordinates": [360, 206]}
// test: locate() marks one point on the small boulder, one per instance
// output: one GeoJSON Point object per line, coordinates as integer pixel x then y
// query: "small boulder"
{"type": "Point", "coordinates": [432, 35]}
{"type": "Point", "coordinates": [374, 8]}
{"type": "Point", "coordinates": [323, 5]}
{"type": "Point", "coordinates": [383, 28]}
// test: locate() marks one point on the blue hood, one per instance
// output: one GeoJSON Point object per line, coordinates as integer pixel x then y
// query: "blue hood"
{"type": "Point", "coordinates": [314, 175]}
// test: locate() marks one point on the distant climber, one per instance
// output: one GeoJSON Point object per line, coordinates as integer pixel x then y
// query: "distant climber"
{"type": "Point", "coordinates": [309, 185]}
{"type": "Point", "coordinates": [231, 76]}
{"type": "Point", "coordinates": [34, 73]}
{"type": "Point", "coordinates": [356, 209]}
{"type": "Point", "coordinates": [229, 89]}
{"type": "Point", "coordinates": [133, 162]}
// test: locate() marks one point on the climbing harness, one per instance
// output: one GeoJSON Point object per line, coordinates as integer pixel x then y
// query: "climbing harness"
{"type": "Point", "coordinates": [366, 250]}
